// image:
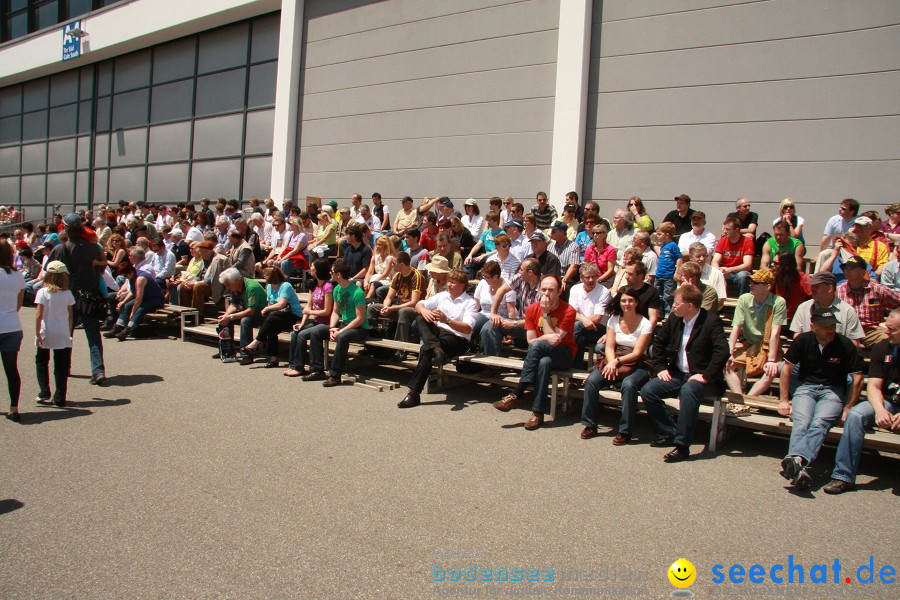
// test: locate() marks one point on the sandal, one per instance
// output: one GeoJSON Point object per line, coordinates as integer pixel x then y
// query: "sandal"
{"type": "Point", "coordinates": [293, 373]}
{"type": "Point", "coordinates": [737, 410]}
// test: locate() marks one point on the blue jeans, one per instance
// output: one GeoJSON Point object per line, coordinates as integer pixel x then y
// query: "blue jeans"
{"type": "Point", "coordinates": [481, 320]}
{"type": "Point", "coordinates": [247, 325]}
{"type": "Point", "coordinates": [341, 345]}
{"type": "Point", "coordinates": [540, 362]}
{"type": "Point", "coordinates": [860, 418]}
{"type": "Point", "coordinates": [91, 327]}
{"type": "Point", "coordinates": [689, 394]}
{"type": "Point", "coordinates": [816, 408]}
{"type": "Point", "coordinates": [741, 280]}
{"type": "Point", "coordinates": [492, 338]}
{"type": "Point", "coordinates": [298, 357]}
{"type": "Point", "coordinates": [666, 289]}
{"type": "Point", "coordinates": [583, 337]}
{"type": "Point", "coordinates": [630, 387]}
{"type": "Point", "coordinates": [142, 310]}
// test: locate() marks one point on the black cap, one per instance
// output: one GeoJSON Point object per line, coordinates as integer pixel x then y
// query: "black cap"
{"type": "Point", "coordinates": [824, 316]}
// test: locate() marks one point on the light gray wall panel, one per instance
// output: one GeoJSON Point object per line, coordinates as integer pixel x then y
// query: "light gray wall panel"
{"type": "Point", "coordinates": [259, 132]}
{"type": "Point", "coordinates": [492, 86]}
{"type": "Point", "coordinates": [481, 55]}
{"type": "Point", "coordinates": [101, 181]}
{"type": "Point", "coordinates": [427, 98]}
{"type": "Point", "coordinates": [34, 158]}
{"type": "Point", "coordinates": [101, 150]}
{"type": "Point", "coordinates": [532, 114]}
{"type": "Point", "coordinates": [836, 97]}
{"type": "Point", "coordinates": [64, 88]}
{"type": "Point", "coordinates": [753, 22]}
{"type": "Point", "coordinates": [82, 191]}
{"type": "Point", "coordinates": [518, 182]}
{"type": "Point", "coordinates": [450, 152]}
{"type": "Point", "coordinates": [126, 184]}
{"type": "Point", "coordinates": [34, 189]}
{"type": "Point", "coordinates": [767, 100]}
{"type": "Point", "coordinates": [461, 28]}
{"type": "Point", "coordinates": [9, 160]}
{"type": "Point", "coordinates": [257, 177]}
{"type": "Point", "coordinates": [10, 101]}
{"type": "Point", "coordinates": [335, 18]}
{"type": "Point", "coordinates": [821, 56]}
{"type": "Point", "coordinates": [10, 130]}
{"type": "Point", "coordinates": [84, 152]}
{"type": "Point", "coordinates": [170, 142]}
{"type": "Point", "coordinates": [216, 178]}
{"type": "Point", "coordinates": [128, 147]}
{"type": "Point", "coordinates": [167, 183]}
{"type": "Point", "coordinates": [61, 189]}
{"type": "Point", "coordinates": [61, 155]}
{"type": "Point", "coordinates": [9, 189]}
{"type": "Point", "coordinates": [220, 136]}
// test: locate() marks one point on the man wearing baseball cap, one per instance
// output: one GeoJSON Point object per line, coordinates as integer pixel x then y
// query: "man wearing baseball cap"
{"type": "Point", "coordinates": [549, 263]}
{"type": "Point", "coordinates": [874, 252]}
{"type": "Point", "coordinates": [825, 359]}
{"type": "Point", "coordinates": [870, 300]}
{"type": "Point", "coordinates": [81, 258]}
{"type": "Point", "coordinates": [823, 286]}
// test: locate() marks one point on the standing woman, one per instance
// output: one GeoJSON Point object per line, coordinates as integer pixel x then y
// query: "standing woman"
{"type": "Point", "coordinates": [602, 254]}
{"type": "Point", "coordinates": [316, 314]}
{"type": "Point", "coordinates": [472, 220]}
{"type": "Point", "coordinates": [12, 292]}
{"type": "Point", "coordinates": [641, 219]}
{"type": "Point", "coordinates": [281, 312]}
{"type": "Point", "coordinates": [54, 323]}
{"type": "Point", "coordinates": [788, 213]}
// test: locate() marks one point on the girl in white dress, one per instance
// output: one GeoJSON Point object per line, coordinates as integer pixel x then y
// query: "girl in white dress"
{"type": "Point", "coordinates": [53, 331]}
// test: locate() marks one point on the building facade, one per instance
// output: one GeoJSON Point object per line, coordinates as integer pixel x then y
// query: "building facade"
{"type": "Point", "coordinates": [473, 98]}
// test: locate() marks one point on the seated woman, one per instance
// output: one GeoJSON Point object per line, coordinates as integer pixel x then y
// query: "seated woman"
{"type": "Point", "coordinates": [293, 258]}
{"type": "Point", "coordinates": [485, 295]}
{"type": "Point", "coordinates": [144, 295]}
{"type": "Point", "coordinates": [324, 241]}
{"type": "Point", "coordinates": [628, 336]}
{"type": "Point", "coordinates": [282, 311]}
{"type": "Point", "coordinates": [316, 314]}
{"type": "Point", "coordinates": [381, 267]}
{"type": "Point", "coordinates": [791, 283]}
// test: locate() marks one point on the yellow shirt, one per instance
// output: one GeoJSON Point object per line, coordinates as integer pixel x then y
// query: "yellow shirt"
{"type": "Point", "coordinates": [875, 253]}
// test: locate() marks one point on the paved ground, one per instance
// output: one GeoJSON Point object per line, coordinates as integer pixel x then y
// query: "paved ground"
{"type": "Point", "coordinates": [187, 478]}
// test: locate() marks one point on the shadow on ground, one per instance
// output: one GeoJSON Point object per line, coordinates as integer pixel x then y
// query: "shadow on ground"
{"type": "Point", "coordinates": [8, 505]}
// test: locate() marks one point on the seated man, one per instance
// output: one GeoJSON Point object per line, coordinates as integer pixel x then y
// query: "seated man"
{"type": "Point", "coordinates": [406, 289]}
{"type": "Point", "coordinates": [689, 353]}
{"type": "Point", "coordinates": [868, 298]}
{"type": "Point", "coordinates": [246, 300]}
{"type": "Point", "coordinates": [689, 272]}
{"type": "Point", "coordinates": [525, 285]}
{"type": "Point", "coordinates": [882, 409]}
{"type": "Point", "coordinates": [825, 358]}
{"type": "Point", "coordinates": [348, 324]}
{"type": "Point", "coordinates": [445, 324]}
{"type": "Point", "coordinates": [591, 303]}
{"type": "Point", "coordinates": [734, 256]}
{"type": "Point", "coordinates": [758, 319]}
{"type": "Point", "coordinates": [549, 325]}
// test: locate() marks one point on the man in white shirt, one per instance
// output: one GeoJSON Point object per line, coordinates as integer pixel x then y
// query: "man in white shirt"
{"type": "Point", "coordinates": [368, 219]}
{"type": "Point", "coordinates": [162, 263]}
{"type": "Point", "coordinates": [518, 245]}
{"type": "Point", "coordinates": [622, 234]}
{"type": "Point", "coordinates": [591, 304]}
{"type": "Point", "coordinates": [445, 324]}
{"type": "Point", "coordinates": [698, 233]}
{"type": "Point", "coordinates": [708, 275]}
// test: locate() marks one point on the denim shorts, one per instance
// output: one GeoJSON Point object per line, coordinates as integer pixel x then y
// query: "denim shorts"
{"type": "Point", "coordinates": [11, 342]}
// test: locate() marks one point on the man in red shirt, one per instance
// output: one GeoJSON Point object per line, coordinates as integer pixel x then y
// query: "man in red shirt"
{"type": "Point", "coordinates": [734, 256]}
{"type": "Point", "coordinates": [549, 327]}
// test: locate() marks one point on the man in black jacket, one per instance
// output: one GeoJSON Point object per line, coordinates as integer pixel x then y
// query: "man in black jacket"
{"type": "Point", "coordinates": [689, 353]}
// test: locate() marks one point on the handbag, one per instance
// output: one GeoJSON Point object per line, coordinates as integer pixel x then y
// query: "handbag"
{"type": "Point", "coordinates": [91, 304]}
{"type": "Point", "coordinates": [624, 369]}
{"type": "Point", "coordinates": [756, 362]}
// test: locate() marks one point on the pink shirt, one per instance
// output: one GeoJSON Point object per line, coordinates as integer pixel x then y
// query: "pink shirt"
{"type": "Point", "coordinates": [601, 258]}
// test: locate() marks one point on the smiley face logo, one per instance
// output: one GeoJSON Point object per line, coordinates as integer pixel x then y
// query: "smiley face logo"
{"type": "Point", "coordinates": [682, 573]}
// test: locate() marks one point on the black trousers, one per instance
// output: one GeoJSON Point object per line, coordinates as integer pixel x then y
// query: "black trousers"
{"type": "Point", "coordinates": [434, 337]}
{"type": "Point", "coordinates": [275, 323]}
{"type": "Point", "coordinates": [62, 361]}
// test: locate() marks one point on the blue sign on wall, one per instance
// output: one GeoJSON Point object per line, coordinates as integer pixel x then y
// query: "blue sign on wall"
{"type": "Point", "coordinates": [71, 43]}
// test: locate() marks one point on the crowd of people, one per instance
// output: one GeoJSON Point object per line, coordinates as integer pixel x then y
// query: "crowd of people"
{"type": "Point", "coordinates": [634, 302]}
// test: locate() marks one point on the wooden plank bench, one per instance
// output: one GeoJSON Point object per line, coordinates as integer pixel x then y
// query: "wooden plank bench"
{"type": "Point", "coordinates": [172, 314]}
{"type": "Point", "coordinates": [765, 417]}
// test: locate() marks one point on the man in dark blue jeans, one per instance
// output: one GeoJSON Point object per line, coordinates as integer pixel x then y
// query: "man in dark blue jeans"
{"type": "Point", "coordinates": [689, 353]}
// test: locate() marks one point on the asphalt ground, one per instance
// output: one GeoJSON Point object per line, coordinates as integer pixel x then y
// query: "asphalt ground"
{"type": "Point", "coordinates": [187, 478]}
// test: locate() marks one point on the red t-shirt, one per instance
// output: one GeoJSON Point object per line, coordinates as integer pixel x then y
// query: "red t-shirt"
{"type": "Point", "coordinates": [733, 254]}
{"type": "Point", "coordinates": [563, 318]}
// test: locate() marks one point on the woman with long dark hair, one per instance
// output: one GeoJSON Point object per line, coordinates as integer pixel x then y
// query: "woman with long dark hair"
{"type": "Point", "coordinates": [790, 283]}
{"type": "Point", "coordinates": [12, 292]}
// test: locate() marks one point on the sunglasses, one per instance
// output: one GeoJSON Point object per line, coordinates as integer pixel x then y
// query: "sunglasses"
{"type": "Point", "coordinates": [503, 245]}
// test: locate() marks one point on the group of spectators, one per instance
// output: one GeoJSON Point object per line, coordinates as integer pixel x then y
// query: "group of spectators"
{"type": "Point", "coordinates": [644, 297]}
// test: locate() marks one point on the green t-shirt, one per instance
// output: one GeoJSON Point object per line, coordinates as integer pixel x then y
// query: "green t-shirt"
{"type": "Point", "coordinates": [774, 248]}
{"type": "Point", "coordinates": [254, 295]}
{"type": "Point", "coordinates": [753, 318]}
{"type": "Point", "coordinates": [346, 299]}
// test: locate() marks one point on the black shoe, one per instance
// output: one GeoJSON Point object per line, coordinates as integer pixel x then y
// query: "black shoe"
{"type": "Point", "coordinates": [114, 331]}
{"type": "Point", "coordinates": [315, 376]}
{"type": "Point", "coordinates": [217, 356]}
{"type": "Point", "coordinates": [98, 379]}
{"type": "Point", "coordinates": [838, 486]}
{"type": "Point", "coordinates": [246, 360]}
{"type": "Point", "coordinates": [790, 466]}
{"type": "Point", "coordinates": [331, 382]}
{"type": "Point", "coordinates": [803, 480]}
{"type": "Point", "coordinates": [440, 358]}
{"type": "Point", "coordinates": [59, 403]}
{"type": "Point", "coordinates": [678, 454]}
{"type": "Point", "coordinates": [663, 441]}
{"type": "Point", "coordinates": [106, 327]}
{"type": "Point", "coordinates": [123, 335]}
{"type": "Point", "coordinates": [411, 399]}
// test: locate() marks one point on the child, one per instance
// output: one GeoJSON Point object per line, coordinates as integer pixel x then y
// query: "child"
{"type": "Point", "coordinates": [669, 260]}
{"type": "Point", "coordinates": [53, 327]}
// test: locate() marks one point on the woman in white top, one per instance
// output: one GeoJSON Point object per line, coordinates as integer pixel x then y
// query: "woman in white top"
{"type": "Point", "coordinates": [484, 295]}
{"type": "Point", "coordinates": [472, 220]}
{"type": "Point", "coordinates": [788, 212]}
{"type": "Point", "coordinates": [12, 292]}
{"type": "Point", "coordinates": [628, 336]}
{"type": "Point", "coordinates": [381, 267]}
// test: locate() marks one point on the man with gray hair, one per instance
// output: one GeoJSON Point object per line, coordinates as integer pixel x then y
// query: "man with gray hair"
{"type": "Point", "coordinates": [622, 234]}
{"type": "Point", "coordinates": [246, 299]}
{"type": "Point", "coordinates": [591, 304]}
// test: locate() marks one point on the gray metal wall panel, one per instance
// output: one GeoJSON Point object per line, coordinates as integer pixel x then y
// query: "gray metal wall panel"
{"type": "Point", "coordinates": [760, 99]}
{"type": "Point", "coordinates": [423, 98]}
